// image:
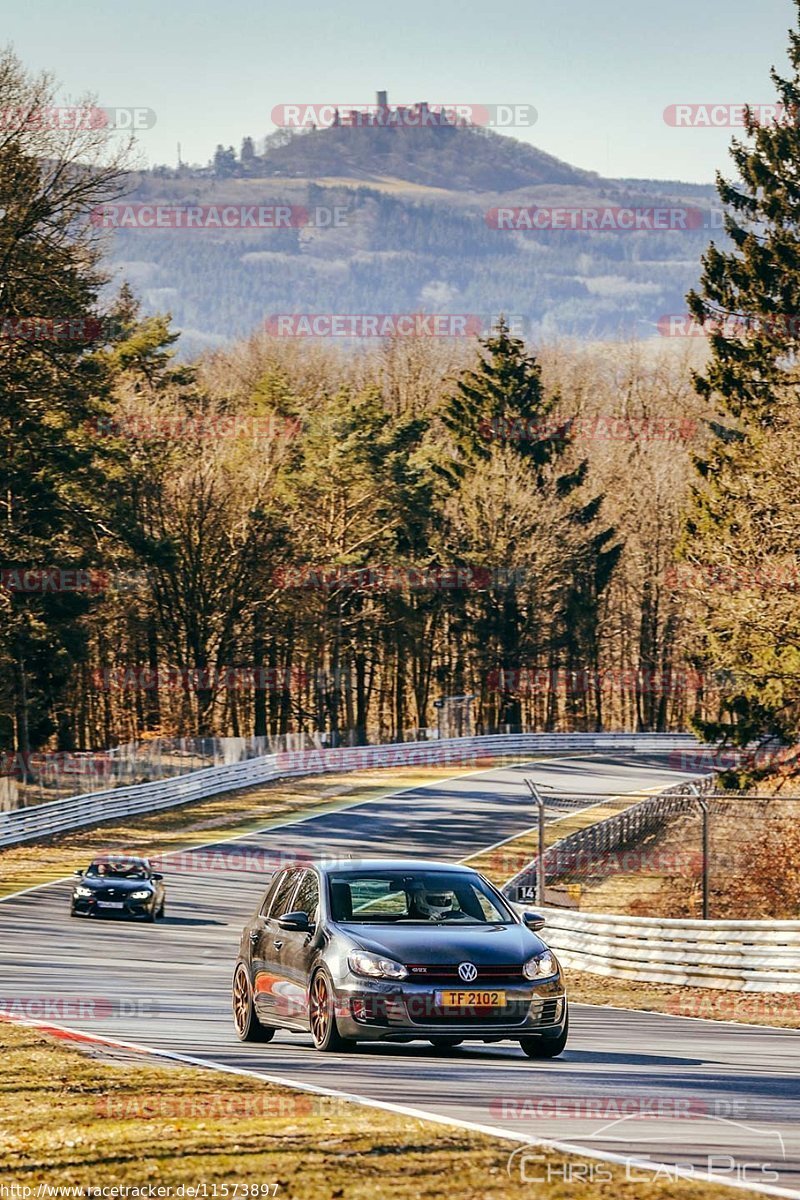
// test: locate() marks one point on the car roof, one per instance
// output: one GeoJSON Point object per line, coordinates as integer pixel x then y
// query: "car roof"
{"type": "Point", "coordinates": [389, 864]}
{"type": "Point", "coordinates": [115, 859]}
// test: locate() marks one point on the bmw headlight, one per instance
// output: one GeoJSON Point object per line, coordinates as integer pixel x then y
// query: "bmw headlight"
{"type": "Point", "coordinates": [361, 962]}
{"type": "Point", "coordinates": [82, 891]}
{"type": "Point", "coordinates": [144, 894]}
{"type": "Point", "coordinates": [541, 966]}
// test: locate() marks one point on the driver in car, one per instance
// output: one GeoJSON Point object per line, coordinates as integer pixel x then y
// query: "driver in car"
{"type": "Point", "coordinates": [430, 906]}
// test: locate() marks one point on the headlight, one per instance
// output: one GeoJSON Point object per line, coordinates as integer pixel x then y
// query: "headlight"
{"type": "Point", "coordinates": [361, 962]}
{"type": "Point", "coordinates": [144, 894]}
{"type": "Point", "coordinates": [541, 967]}
{"type": "Point", "coordinates": [82, 891]}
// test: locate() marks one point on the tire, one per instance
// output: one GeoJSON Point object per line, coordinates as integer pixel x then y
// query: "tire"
{"type": "Point", "coordinates": [445, 1043]}
{"type": "Point", "coordinates": [544, 1047]}
{"type": "Point", "coordinates": [247, 1025]}
{"type": "Point", "coordinates": [150, 916]}
{"type": "Point", "coordinates": [160, 913]}
{"type": "Point", "coordinates": [322, 1015]}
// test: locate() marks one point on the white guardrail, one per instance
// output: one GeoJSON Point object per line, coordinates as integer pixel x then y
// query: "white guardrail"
{"type": "Point", "coordinates": [747, 956]}
{"type": "Point", "coordinates": [76, 812]}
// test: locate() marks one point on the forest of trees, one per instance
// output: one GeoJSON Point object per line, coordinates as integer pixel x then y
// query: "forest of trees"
{"type": "Point", "coordinates": [282, 536]}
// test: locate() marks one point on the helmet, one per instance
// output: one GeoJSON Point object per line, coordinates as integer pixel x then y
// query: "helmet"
{"type": "Point", "coordinates": [433, 905]}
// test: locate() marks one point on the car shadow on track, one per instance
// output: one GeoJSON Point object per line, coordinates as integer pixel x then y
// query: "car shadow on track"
{"type": "Point", "coordinates": [607, 1057]}
{"type": "Point", "coordinates": [469, 1052]}
{"type": "Point", "coordinates": [170, 920]}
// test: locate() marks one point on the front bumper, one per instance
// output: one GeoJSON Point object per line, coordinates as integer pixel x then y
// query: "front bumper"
{"type": "Point", "coordinates": [381, 1010]}
{"type": "Point", "coordinates": [91, 906]}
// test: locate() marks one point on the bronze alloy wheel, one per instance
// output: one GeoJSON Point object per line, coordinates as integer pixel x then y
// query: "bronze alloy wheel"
{"type": "Point", "coordinates": [322, 1015]}
{"type": "Point", "coordinates": [248, 1026]}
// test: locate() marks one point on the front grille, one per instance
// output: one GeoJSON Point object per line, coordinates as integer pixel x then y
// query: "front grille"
{"type": "Point", "coordinates": [109, 894]}
{"type": "Point", "coordinates": [436, 973]}
{"type": "Point", "coordinates": [509, 1014]}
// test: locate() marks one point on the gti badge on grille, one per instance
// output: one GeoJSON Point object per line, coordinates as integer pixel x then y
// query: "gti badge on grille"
{"type": "Point", "coordinates": [467, 971]}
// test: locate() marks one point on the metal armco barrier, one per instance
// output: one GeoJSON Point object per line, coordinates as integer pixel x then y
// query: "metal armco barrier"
{"type": "Point", "coordinates": [745, 956]}
{"type": "Point", "coordinates": [76, 812]}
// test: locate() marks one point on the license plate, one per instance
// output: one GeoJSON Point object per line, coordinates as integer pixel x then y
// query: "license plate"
{"type": "Point", "coordinates": [467, 999]}
{"type": "Point", "coordinates": [110, 904]}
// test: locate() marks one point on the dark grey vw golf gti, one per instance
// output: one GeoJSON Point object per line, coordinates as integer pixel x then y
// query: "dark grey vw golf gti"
{"type": "Point", "coordinates": [380, 950]}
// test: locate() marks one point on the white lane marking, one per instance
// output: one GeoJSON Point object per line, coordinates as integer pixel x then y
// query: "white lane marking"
{"type": "Point", "coordinates": [405, 1110]}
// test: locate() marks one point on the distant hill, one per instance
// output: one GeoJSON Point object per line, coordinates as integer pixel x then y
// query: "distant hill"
{"type": "Point", "coordinates": [415, 238]}
{"type": "Point", "coordinates": [456, 158]}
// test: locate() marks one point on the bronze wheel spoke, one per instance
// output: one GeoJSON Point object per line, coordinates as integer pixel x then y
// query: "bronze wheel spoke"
{"type": "Point", "coordinates": [240, 1001]}
{"type": "Point", "coordinates": [320, 1015]}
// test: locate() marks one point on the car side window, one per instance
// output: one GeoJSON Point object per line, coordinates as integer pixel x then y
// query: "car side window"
{"type": "Point", "coordinates": [307, 897]}
{"type": "Point", "coordinates": [269, 895]}
{"type": "Point", "coordinates": [283, 894]}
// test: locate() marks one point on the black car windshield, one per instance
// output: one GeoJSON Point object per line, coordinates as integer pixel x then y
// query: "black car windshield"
{"type": "Point", "coordinates": [393, 897]}
{"type": "Point", "coordinates": [125, 868]}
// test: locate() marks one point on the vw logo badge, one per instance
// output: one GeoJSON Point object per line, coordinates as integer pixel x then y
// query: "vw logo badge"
{"type": "Point", "coordinates": [468, 972]}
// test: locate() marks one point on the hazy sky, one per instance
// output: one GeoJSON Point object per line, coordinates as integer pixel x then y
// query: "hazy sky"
{"type": "Point", "coordinates": [599, 74]}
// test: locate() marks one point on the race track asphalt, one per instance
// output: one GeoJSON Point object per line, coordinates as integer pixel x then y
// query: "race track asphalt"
{"type": "Point", "coordinates": [649, 1086]}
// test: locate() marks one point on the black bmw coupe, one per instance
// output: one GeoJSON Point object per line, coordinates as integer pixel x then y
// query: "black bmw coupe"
{"type": "Point", "coordinates": [118, 885]}
{"type": "Point", "coordinates": [396, 950]}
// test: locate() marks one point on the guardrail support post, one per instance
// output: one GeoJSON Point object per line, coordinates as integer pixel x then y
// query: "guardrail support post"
{"type": "Point", "coordinates": [704, 810]}
{"type": "Point", "coordinates": [539, 801]}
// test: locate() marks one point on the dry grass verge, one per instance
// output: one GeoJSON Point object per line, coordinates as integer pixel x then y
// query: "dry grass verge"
{"type": "Point", "coordinates": [139, 1124]}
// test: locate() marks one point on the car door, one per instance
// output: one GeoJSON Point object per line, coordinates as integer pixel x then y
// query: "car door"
{"type": "Point", "coordinates": [299, 946]}
{"type": "Point", "coordinates": [267, 996]}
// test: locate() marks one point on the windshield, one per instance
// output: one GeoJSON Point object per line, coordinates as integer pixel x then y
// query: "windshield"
{"type": "Point", "coordinates": [126, 868]}
{"type": "Point", "coordinates": [418, 897]}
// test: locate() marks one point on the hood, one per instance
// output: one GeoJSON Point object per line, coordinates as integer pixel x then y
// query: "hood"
{"type": "Point", "coordinates": [123, 886]}
{"type": "Point", "coordinates": [444, 945]}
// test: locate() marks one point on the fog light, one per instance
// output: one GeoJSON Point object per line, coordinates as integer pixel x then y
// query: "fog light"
{"type": "Point", "coordinates": [360, 1010]}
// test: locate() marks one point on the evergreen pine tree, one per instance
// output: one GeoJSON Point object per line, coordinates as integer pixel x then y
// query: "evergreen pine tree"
{"type": "Point", "coordinates": [741, 534]}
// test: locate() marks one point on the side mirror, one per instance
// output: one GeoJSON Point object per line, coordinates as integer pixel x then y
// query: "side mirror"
{"type": "Point", "coordinates": [79, 872]}
{"type": "Point", "coordinates": [296, 921]}
{"type": "Point", "coordinates": [156, 876]}
{"type": "Point", "coordinates": [534, 921]}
